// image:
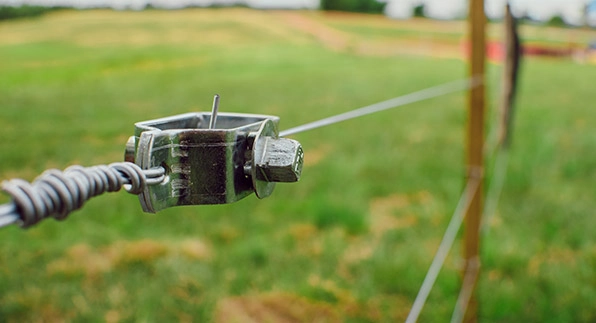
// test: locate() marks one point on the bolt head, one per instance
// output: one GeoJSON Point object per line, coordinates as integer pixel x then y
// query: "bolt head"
{"type": "Point", "coordinates": [281, 161]}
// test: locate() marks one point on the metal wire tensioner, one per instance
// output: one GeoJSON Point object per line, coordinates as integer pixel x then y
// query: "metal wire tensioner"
{"type": "Point", "coordinates": [188, 159]}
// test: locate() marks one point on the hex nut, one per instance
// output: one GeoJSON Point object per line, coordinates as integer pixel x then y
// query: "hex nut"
{"type": "Point", "coordinates": [281, 161]}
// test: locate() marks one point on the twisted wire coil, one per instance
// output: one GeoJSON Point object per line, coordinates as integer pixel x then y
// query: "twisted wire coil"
{"type": "Point", "coordinates": [57, 193]}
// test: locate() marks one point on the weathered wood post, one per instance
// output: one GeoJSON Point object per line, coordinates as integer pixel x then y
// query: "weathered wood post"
{"type": "Point", "coordinates": [475, 146]}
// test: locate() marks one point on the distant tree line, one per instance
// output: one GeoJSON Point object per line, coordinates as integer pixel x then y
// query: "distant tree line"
{"type": "Point", "coordinates": [419, 11]}
{"type": "Point", "coordinates": [8, 12]}
{"type": "Point", "coordinates": [368, 6]}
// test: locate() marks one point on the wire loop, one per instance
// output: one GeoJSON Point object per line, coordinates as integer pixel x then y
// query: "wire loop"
{"type": "Point", "coordinates": [57, 193]}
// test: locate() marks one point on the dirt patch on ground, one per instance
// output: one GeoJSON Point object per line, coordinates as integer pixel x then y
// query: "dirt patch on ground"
{"type": "Point", "coordinates": [316, 155]}
{"type": "Point", "coordinates": [414, 47]}
{"type": "Point", "coordinates": [553, 257]}
{"type": "Point", "coordinates": [329, 37]}
{"type": "Point", "coordinates": [83, 259]}
{"type": "Point", "coordinates": [416, 24]}
{"type": "Point", "coordinates": [384, 216]}
{"type": "Point", "coordinates": [279, 308]}
{"type": "Point", "coordinates": [92, 262]}
{"type": "Point", "coordinates": [195, 249]}
{"type": "Point", "coordinates": [306, 236]}
{"type": "Point", "coordinates": [303, 231]}
{"type": "Point", "coordinates": [320, 27]}
{"type": "Point", "coordinates": [384, 213]}
{"type": "Point", "coordinates": [358, 251]}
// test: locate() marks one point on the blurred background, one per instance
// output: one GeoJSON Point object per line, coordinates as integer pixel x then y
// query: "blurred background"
{"type": "Point", "coordinates": [350, 242]}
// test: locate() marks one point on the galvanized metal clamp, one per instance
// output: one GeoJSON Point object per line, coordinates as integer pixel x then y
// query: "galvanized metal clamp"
{"type": "Point", "coordinates": [205, 164]}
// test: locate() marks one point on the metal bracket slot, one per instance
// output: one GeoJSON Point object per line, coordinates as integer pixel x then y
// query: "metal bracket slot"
{"type": "Point", "coordinates": [243, 154]}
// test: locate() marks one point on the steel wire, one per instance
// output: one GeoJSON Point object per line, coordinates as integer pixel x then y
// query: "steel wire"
{"type": "Point", "coordinates": [467, 289]}
{"type": "Point", "coordinates": [490, 207]}
{"type": "Point", "coordinates": [443, 250]}
{"type": "Point", "coordinates": [428, 93]}
{"type": "Point", "coordinates": [57, 193]}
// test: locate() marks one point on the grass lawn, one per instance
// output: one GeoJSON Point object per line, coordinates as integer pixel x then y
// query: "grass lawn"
{"type": "Point", "coordinates": [352, 241]}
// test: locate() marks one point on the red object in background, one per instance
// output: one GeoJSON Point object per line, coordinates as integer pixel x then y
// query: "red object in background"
{"type": "Point", "coordinates": [495, 51]}
{"type": "Point", "coordinates": [538, 50]}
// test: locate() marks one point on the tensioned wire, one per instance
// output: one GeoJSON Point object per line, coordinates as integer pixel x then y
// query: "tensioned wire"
{"type": "Point", "coordinates": [428, 93]}
{"type": "Point", "coordinates": [444, 247]}
{"type": "Point", "coordinates": [495, 189]}
{"type": "Point", "coordinates": [490, 207]}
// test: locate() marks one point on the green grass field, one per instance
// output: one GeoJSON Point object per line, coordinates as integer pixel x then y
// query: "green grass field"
{"type": "Point", "coordinates": [352, 241]}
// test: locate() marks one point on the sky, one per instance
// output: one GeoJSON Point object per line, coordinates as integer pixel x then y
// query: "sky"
{"type": "Point", "coordinates": [541, 10]}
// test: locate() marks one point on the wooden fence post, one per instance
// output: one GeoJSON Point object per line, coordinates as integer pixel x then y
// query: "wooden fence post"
{"type": "Point", "coordinates": [475, 146]}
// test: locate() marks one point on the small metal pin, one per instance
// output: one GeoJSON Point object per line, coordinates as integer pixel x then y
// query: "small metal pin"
{"type": "Point", "coordinates": [214, 111]}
